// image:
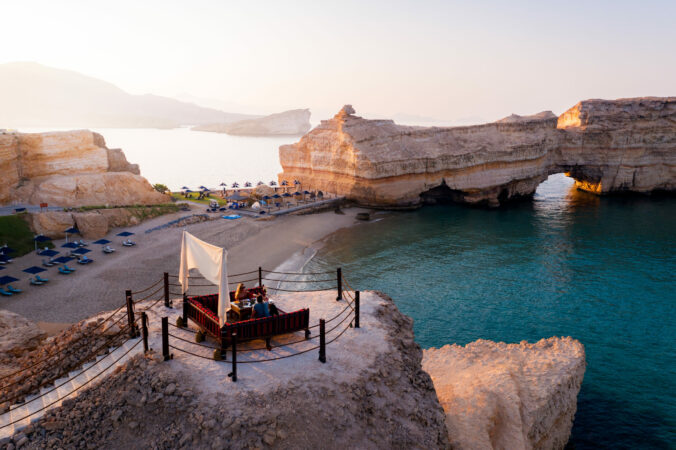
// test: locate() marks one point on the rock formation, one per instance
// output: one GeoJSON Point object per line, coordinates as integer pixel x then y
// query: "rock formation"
{"type": "Point", "coordinates": [516, 396]}
{"type": "Point", "coordinates": [294, 122]}
{"type": "Point", "coordinates": [70, 168]}
{"type": "Point", "coordinates": [626, 145]}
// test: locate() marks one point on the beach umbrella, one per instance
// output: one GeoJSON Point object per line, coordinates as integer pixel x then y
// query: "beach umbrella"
{"type": "Point", "coordinates": [71, 230]}
{"type": "Point", "coordinates": [63, 259]}
{"type": "Point", "coordinates": [2, 268]}
{"type": "Point", "coordinates": [69, 245]}
{"type": "Point", "coordinates": [185, 187]}
{"type": "Point", "coordinates": [286, 194]}
{"type": "Point", "coordinates": [296, 182]}
{"type": "Point", "coordinates": [235, 184]}
{"type": "Point", "coordinates": [102, 242]}
{"type": "Point", "coordinates": [276, 196]}
{"type": "Point", "coordinates": [81, 251]}
{"type": "Point", "coordinates": [273, 183]}
{"type": "Point", "coordinates": [247, 184]}
{"type": "Point", "coordinates": [40, 238]}
{"type": "Point", "coordinates": [297, 193]}
{"type": "Point", "coordinates": [33, 270]}
{"type": "Point", "coordinates": [266, 197]}
{"type": "Point", "coordinates": [188, 191]}
{"type": "Point", "coordinates": [223, 184]}
{"type": "Point", "coordinates": [284, 183]}
{"type": "Point", "coordinates": [5, 250]}
{"type": "Point", "coordinates": [18, 210]}
{"type": "Point", "coordinates": [125, 233]}
{"type": "Point", "coordinates": [7, 279]}
{"type": "Point", "coordinates": [4, 257]}
{"type": "Point", "coordinates": [260, 183]}
{"type": "Point", "coordinates": [49, 253]}
{"type": "Point", "coordinates": [202, 187]}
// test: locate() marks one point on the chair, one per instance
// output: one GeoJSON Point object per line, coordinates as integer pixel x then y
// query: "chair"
{"type": "Point", "coordinates": [47, 263]}
{"type": "Point", "coordinates": [36, 282]}
{"type": "Point", "coordinates": [5, 293]}
{"type": "Point", "coordinates": [40, 279]}
{"type": "Point", "coordinates": [64, 271]}
{"type": "Point", "coordinates": [13, 290]}
{"type": "Point", "coordinates": [70, 269]}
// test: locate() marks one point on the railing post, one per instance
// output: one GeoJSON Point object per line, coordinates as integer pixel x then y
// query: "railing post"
{"type": "Point", "coordinates": [144, 330]}
{"type": "Point", "coordinates": [185, 310]}
{"type": "Point", "coordinates": [322, 340]}
{"type": "Point", "coordinates": [165, 339]}
{"type": "Point", "coordinates": [167, 302]}
{"type": "Point", "coordinates": [260, 276]}
{"type": "Point", "coordinates": [356, 309]}
{"type": "Point", "coordinates": [339, 274]}
{"type": "Point", "coordinates": [130, 314]}
{"type": "Point", "coordinates": [233, 341]}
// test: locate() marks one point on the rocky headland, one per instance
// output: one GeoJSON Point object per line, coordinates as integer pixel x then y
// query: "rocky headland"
{"type": "Point", "coordinates": [69, 168]}
{"type": "Point", "coordinates": [607, 146]}
{"type": "Point", "coordinates": [294, 122]}
{"type": "Point", "coordinates": [499, 395]}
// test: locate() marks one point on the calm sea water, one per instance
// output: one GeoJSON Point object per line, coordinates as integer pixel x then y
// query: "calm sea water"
{"type": "Point", "coordinates": [181, 157]}
{"type": "Point", "coordinates": [566, 264]}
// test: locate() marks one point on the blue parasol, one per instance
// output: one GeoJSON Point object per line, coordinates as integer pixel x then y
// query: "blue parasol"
{"type": "Point", "coordinates": [7, 279]}
{"type": "Point", "coordinates": [81, 251]}
{"type": "Point", "coordinates": [33, 270]}
{"type": "Point", "coordinates": [49, 253]}
{"type": "Point", "coordinates": [70, 245]}
{"type": "Point", "coordinates": [125, 233]}
{"type": "Point", "coordinates": [5, 250]}
{"type": "Point", "coordinates": [102, 242]}
{"type": "Point", "coordinates": [63, 259]}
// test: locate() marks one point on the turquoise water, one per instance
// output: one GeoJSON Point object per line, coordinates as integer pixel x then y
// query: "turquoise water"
{"type": "Point", "coordinates": [566, 264]}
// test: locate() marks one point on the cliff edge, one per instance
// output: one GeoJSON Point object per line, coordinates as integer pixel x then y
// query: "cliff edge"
{"type": "Point", "coordinates": [626, 145]}
{"type": "Point", "coordinates": [69, 168]}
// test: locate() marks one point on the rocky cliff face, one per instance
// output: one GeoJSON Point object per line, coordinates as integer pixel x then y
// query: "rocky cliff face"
{"type": "Point", "coordinates": [71, 168]}
{"type": "Point", "coordinates": [294, 122]}
{"type": "Point", "coordinates": [516, 396]}
{"type": "Point", "coordinates": [608, 146]}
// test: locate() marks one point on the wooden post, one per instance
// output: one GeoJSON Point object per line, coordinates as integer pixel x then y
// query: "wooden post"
{"type": "Point", "coordinates": [167, 302]}
{"type": "Point", "coordinates": [185, 310]}
{"type": "Point", "coordinates": [144, 329]}
{"type": "Point", "coordinates": [165, 339]}
{"type": "Point", "coordinates": [356, 309]}
{"type": "Point", "coordinates": [322, 340]}
{"type": "Point", "coordinates": [233, 341]}
{"type": "Point", "coordinates": [260, 276]}
{"type": "Point", "coordinates": [339, 275]}
{"type": "Point", "coordinates": [130, 314]}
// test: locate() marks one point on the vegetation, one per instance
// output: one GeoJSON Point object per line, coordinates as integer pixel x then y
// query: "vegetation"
{"type": "Point", "coordinates": [161, 188]}
{"type": "Point", "coordinates": [193, 198]}
{"type": "Point", "coordinates": [15, 232]}
{"type": "Point", "coordinates": [148, 212]}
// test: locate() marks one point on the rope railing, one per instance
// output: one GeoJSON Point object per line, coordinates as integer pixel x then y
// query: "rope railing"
{"type": "Point", "coordinates": [195, 354]}
{"type": "Point", "coordinates": [148, 288]}
{"type": "Point", "coordinates": [71, 392]}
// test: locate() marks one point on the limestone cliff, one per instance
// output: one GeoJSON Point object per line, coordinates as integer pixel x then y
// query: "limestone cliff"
{"type": "Point", "coordinates": [70, 168]}
{"type": "Point", "coordinates": [608, 146]}
{"type": "Point", "coordinates": [294, 122]}
{"type": "Point", "coordinates": [516, 396]}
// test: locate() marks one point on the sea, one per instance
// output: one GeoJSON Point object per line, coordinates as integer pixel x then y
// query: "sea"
{"type": "Point", "coordinates": [566, 263]}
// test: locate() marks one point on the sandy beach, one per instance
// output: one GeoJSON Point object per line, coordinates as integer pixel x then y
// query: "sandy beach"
{"type": "Point", "coordinates": [100, 286]}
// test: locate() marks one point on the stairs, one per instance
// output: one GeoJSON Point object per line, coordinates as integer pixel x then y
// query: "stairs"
{"type": "Point", "coordinates": [35, 406]}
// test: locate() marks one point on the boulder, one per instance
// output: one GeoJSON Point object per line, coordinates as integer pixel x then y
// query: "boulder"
{"type": "Point", "coordinates": [92, 225]}
{"type": "Point", "coordinates": [51, 223]}
{"type": "Point", "coordinates": [264, 189]}
{"type": "Point", "coordinates": [119, 217]}
{"type": "Point", "coordinates": [18, 335]}
{"type": "Point", "coordinates": [516, 396]}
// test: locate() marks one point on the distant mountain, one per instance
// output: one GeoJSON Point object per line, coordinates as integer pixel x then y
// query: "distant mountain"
{"type": "Point", "coordinates": [295, 123]}
{"type": "Point", "coordinates": [35, 95]}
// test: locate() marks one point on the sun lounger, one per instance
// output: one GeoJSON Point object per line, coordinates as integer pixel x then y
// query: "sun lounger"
{"type": "Point", "coordinates": [70, 269]}
{"type": "Point", "coordinates": [47, 263]}
{"type": "Point", "coordinates": [5, 293]}
{"type": "Point", "coordinates": [35, 282]}
{"type": "Point", "coordinates": [128, 243]}
{"type": "Point", "coordinates": [107, 249]}
{"type": "Point", "coordinates": [64, 271]}
{"type": "Point", "coordinates": [40, 279]}
{"type": "Point", "coordinates": [13, 290]}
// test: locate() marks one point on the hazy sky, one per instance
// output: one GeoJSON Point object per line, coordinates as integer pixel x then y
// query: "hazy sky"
{"type": "Point", "coordinates": [448, 59]}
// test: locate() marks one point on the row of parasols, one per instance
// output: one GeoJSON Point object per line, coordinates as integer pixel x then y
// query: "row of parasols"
{"type": "Point", "coordinates": [79, 249]}
{"type": "Point", "coordinates": [248, 184]}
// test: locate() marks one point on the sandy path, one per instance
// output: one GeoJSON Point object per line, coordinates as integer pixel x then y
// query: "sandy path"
{"type": "Point", "coordinates": [100, 286]}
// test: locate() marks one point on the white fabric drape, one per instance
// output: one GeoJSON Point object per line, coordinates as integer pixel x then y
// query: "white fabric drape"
{"type": "Point", "coordinates": [211, 263]}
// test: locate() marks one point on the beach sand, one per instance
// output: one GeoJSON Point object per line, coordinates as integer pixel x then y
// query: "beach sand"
{"type": "Point", "coordinates": [101, 285]}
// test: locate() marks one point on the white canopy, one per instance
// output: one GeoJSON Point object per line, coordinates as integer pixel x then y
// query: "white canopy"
{"type": "Point", "coordinates": [211, 263]}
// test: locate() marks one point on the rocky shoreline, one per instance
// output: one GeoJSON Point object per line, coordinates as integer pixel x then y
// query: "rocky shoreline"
{"type": "Point", "coordinates": [608, 146]}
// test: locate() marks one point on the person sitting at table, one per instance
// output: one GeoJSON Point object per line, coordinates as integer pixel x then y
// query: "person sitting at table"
{"type": "Point", "coordinates": [241, 292]}
{"type": "Point", "coordinates": [260, 309]}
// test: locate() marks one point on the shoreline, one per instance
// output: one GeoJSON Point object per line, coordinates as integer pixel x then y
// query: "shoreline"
{"type": "Point", "coordinates": [100, 286]}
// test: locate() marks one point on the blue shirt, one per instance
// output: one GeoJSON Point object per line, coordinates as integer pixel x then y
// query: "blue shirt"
{"type": "Point", "coordinates": [262, 310]}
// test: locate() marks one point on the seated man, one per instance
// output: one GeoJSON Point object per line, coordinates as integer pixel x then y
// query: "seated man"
{"type": "Point", "coordinates": [260, 309]}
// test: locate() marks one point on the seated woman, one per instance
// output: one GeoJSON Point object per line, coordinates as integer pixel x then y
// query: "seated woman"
{"type": "Point", "coordinates": [260, 309]}
{"type": "Point", "coordinates": [241, 292]}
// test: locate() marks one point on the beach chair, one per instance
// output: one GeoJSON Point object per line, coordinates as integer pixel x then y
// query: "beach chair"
{"type": "Point", "coordinates": [5, 293]}
{"type": "Point", "coordinates": [108, 249]}
{"type": "Point", "coordinates": [36, 282]}
{"type": "Point", "coordinates": [64, 271]}
{"type": "Point", "coordinates": [39, 279]}
{"type": "Point", "coordinates": [70, 269]}
{"type": "Point", "coordinates": [129, 243]}
{"type": "Point", "coordinates": [13, 290]}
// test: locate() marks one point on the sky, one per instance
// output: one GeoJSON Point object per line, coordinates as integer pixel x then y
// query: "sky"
{"type": "Point", "coordinates": [456, 61]}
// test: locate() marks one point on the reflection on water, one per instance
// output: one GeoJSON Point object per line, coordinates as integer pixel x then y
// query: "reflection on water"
{"type": "Point", "coordinates": [567, 263]}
